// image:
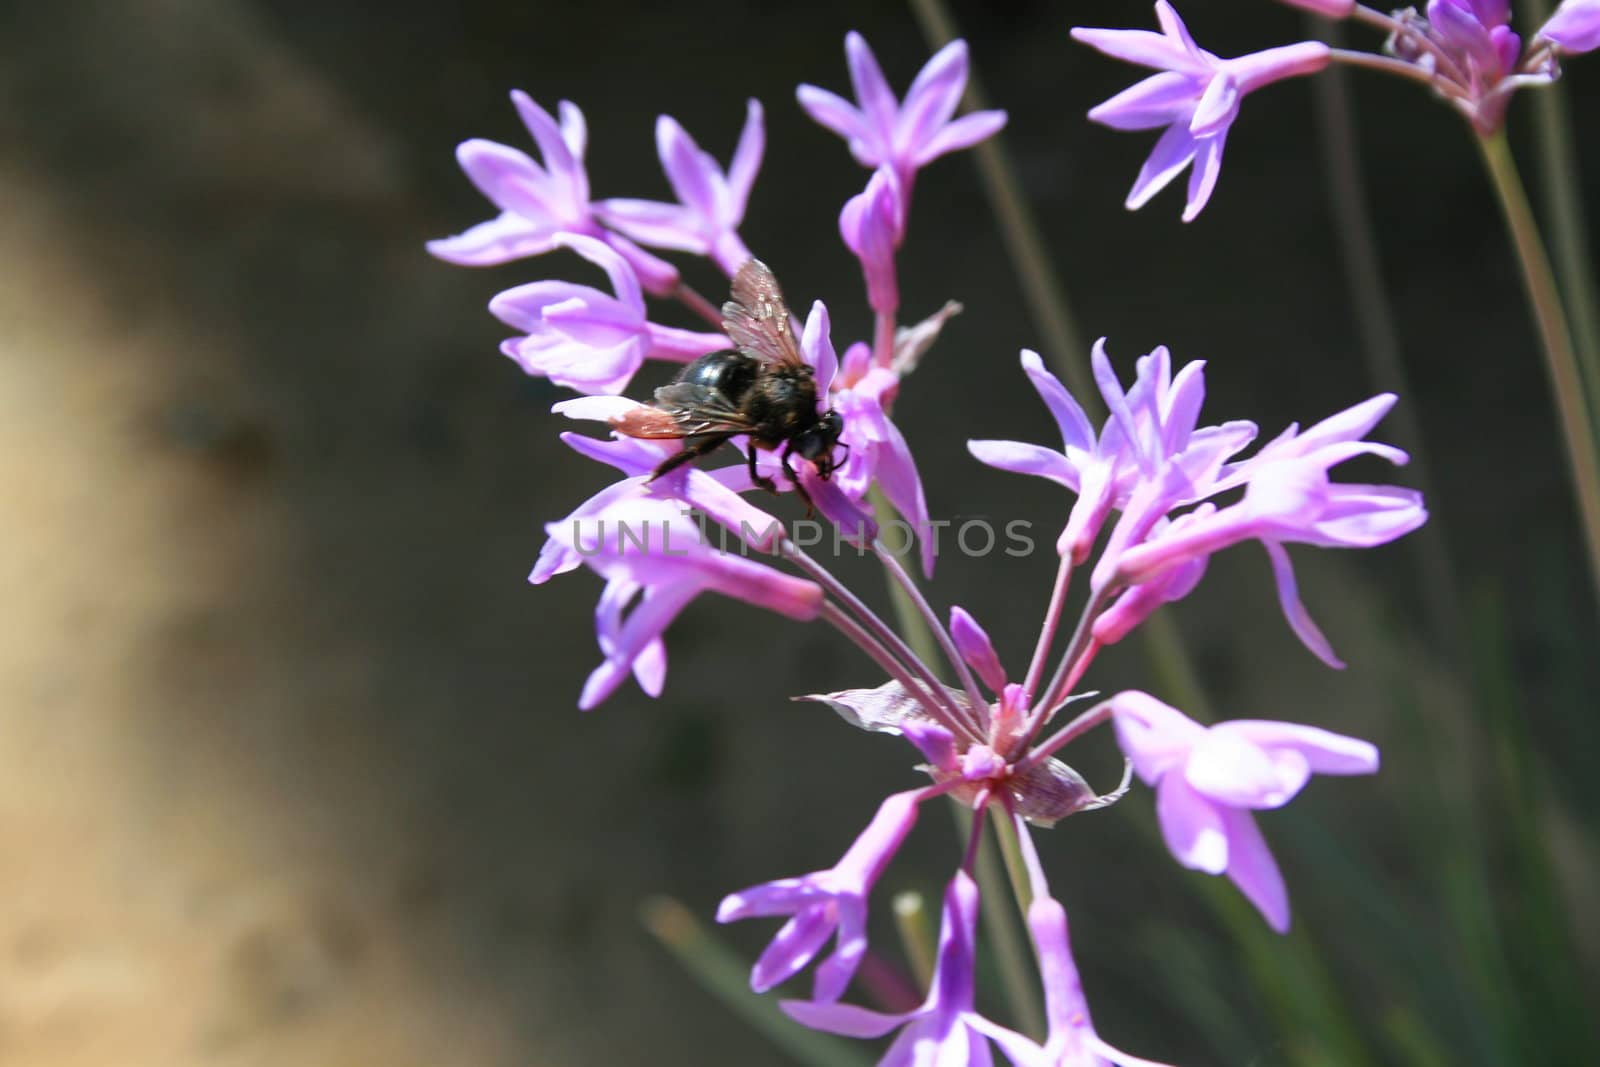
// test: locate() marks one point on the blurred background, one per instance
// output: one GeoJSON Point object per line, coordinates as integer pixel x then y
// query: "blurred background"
{"type": "Point", "coordinates": [290, 765]}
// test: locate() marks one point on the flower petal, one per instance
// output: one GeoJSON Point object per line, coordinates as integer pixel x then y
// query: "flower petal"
{"type": "Point", "coordinates": [746, 158]}
{"type": "Point", "coordinates": [1325, 752]}
{"type": "Point", "coordinates": [569, 183]}
{"type": "Point", "coordinates": [1217, 107]}
{"type": "Point", "coordinates": [1076, 430]}
{"type": "Point", "coordinates": [964, 132]}
{"type": "Point", "coordinates": [832, 112]}
{"type": "Point", "coordinates": [897, 476]}
{"type": "Point", "coordinates": [599, 323]}
{"type": "Point", "coordinates": [524, 306]}
{"type": "Point", "coordinates": [1019, 457]}
{"type": "Point", "coordinates": [833, 975]}
{"type": "Point", "coordinates": [507, 237]}
{"type": "Point", "coordinates": [508, 178]}
{"type": "Point", "coordinates": [1174, 151]}
{"type": "Point", "coordinates": [1155, 736]}
{"type": "Point", "coordinates": [624, 282]}
{"type": "Point", "coordinates": [655, 223]}
{"type": "Point", "coordinates": [1192, 826]}
{"type": "Point", "coordinates": [845, 1019]}
{"type": "Point", "coordinates": [877, 100]}
{"type": "Point", "coordinates": [1300, 620]}
{"type": "Point", "coordinates": [691, 172]}
{"type": "Point", "coordinates": [816, 344]}
{"type": "Point", "coordinates": [1252, 868]}
{"type": "Point", "coordinates": [976, 648]}
{"type": "Point", "coordinates": [1143, 47]}
{"type": "Point", "coordinates": [932, 98]}
{"type": "Point", "coordinates": [1231, 769]}
{"type": "Point", "coordinates": [1159, 100]}
{"type": "Point", "coordinates": [1575, 26]}
{"type": "Point", "coordinates": [794, 946]}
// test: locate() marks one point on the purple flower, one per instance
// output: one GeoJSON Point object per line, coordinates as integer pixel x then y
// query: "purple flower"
{"type": "Point", "coordinates": [1072, 1041]}
{"type": "Point", "coordinates": [905, 137]}
{"type": "Point", "coordinates": [1208, 781]}
{"type": "Point", "coordinates": [1472, 56]}
{"type": "Point", "coordinates": [823, 904]}
{"type": "Point", "coordinates": [538, 203]}
{"type": "Point", "coordinates": [588, 340]}
{"type": "Point", "coordinates": [945, 1030]}
{"type": "Point", "coordinates": [651, 549]}
{"type": "Point", "coordinates": [870, 225]}
{"type": "Point", "coordinates": [711, 203]}
{"type": "Point", "coordinates": [713, 493]}
{"type": "Point", "coordinates": [972, 641]}
{"type": "Point", "coordinates": [1575, 26]}
{"type": "Point", "coordinates": [1150, 439]}
{"type": "Point", "coordinates": [1288, 498]}
{"type": "Point", "coordinates": [1140, 602]}
{"type": "Point", "coordinates": [878, 452]}
{"type": "Point", "coordinates": [1195, 97]}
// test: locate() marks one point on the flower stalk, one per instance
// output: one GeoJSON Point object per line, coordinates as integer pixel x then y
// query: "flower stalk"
{"type": "Point", "coordinates": [1544, 300]}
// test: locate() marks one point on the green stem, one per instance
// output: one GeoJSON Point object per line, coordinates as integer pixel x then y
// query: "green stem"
{"type": "Point", "coordinates": [1003, 931]}
{"type": "Point", "coordinates": [1559, 185]}
{"type": "Point", "coordinates": [1576, 428]}
{"type": "Point", "coordinates": [916, 934]}
{"type": "Point", "coordinates": [1005, 832]}
{"type": "Point", "coordinates": [1000, 921]}
{"type": "Point", "coordinates": [1375, 321]}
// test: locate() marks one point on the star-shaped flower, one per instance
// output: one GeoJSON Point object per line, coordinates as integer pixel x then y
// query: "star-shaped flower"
{"type": "Point", "coordinates": [586, 339]}
{"type": "Point", "coordinates": [1288, 498]}
{"type": "Point", "coordinates": [1195, 96]}
{"type": "Point", "coordinates": [1209, 780]}
{"type": "Point", "coordinates": [825, 903]}
{"type": "Point", "coordinates": [712, 493]}
{"type": "Point", "coordinates": [946, 1030]}
{"type": "Point", "coordinates": [1150, 439]}
{"type": "Point", "coordinates": [651, 549]}
{"type": "Point", "coordinates": [711, 203]}
{"type": "Point", "coordinates": [538, 202]}
{"type": "Point", "coordinates": [904, 136]}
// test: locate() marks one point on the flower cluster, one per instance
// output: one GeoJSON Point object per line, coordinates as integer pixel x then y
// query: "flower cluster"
{"type": "Point", "coordinates": [1148, 489]}
{"type": "Point", "coordinates": [1465, 50]}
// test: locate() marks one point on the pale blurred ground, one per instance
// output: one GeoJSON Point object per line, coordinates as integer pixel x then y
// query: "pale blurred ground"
{"type": "Point", "coordinates": [289, 767]}
{"type": "Point", "coordinates": [166, 901]}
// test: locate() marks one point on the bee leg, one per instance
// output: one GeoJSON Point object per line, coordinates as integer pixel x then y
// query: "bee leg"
{"type": "Point", "coordinates": [794, 481]}
{"type": "Point", "coordinates": [756, 477]}
{"type": "Point", "coordinates": [693, 448]}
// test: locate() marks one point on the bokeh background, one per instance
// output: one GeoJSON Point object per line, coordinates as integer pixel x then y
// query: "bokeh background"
{"type": "Point", "coordinates": [290, 767]}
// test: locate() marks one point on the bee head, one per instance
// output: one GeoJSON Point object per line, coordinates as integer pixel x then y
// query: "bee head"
{"type": "Point", "coordinates": [816, 443]}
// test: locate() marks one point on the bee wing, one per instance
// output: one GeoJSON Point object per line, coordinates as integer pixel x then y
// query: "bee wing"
{"type": "Point", "coordinates": [757, 320]}
{"type": "Point", "coordinates": [683, 409]}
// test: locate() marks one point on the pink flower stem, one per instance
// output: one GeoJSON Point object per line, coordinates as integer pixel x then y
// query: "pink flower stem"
{"type": "Point", "coordinates": [1385, 64]}
{"type": "Point", "coordinates": [940, 634]}
{"type": "Point", "coordinates": [948, 711]}
{"type": "Point", "coordinates": [1047, 631]}
{"type": "Point", "coordinates": [835, 616]}
{"type": "Point", "coordinates": [883, 339]}
{"type": "Point", "coordinates": [1080, 650]}
{"type": "Point", "coordinates": [686, 295]}
{"type": "Point", "coordinates": [1075, 729]}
